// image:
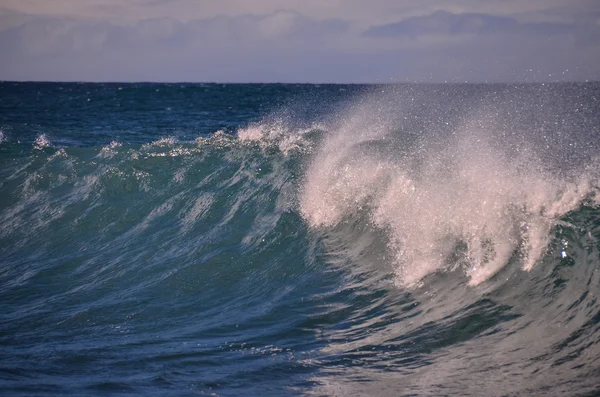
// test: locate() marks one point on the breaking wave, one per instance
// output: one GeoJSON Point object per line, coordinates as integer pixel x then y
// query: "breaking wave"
{"type": "Point", "coordinates": [423, 240]}
{"type": "Point", "coordinates": [462, 194]}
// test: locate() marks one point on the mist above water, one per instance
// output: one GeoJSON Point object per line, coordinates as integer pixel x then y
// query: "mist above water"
{"type": "Point", "coordinates": [453, 184]}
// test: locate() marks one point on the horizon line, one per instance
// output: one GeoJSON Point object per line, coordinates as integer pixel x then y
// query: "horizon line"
{"type": "Point", "coordinates": [296, 83]}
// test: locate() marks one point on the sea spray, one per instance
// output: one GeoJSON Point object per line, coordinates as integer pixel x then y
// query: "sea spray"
{"type": "Point", "coordinates": [268, 239]}
{"type": "Point", "coordinates": [460, 183]}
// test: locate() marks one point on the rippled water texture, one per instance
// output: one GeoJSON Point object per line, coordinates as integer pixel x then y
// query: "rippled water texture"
{"type": "Point", "coordinates": [299, 240]}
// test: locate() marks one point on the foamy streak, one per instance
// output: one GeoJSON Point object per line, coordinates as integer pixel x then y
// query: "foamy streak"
{"type": "Point", "coordinates": [462, 201]}
{"type": "Point", "coordinates": [109, 150]}
{"type": "Point", "coordinates": [277, 133]}
{"type": "Point", "coordinates": [41, 141]}
{"type": "Point", "coordinates": [164, 141]}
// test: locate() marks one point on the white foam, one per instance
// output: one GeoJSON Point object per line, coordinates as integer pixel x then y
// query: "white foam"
{"type": "Point", "coordinates": [277, 133]}
{"type": "Point", "coordinates": [462, 189]}
{"type": "Point", "coordinates": [41, 141]}
{"type": "Point", "coordinates": [109, 150]}
{"type": "Point", "coordinates": [162, 142]}
{"type": "Point", "coordinates": [217, 139]}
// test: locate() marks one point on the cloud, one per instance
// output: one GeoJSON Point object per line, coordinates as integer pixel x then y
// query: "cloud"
{"type": "Point", "coordinates": [475, 47]}
{"type": "Point", "coordinates": [277, 26]}
{"type": "Point", "coordinates": [40, 36]}
{"type": "Point", "coordinates": [290, 46]}
{"type": "Point", "coordinates": [220, 48]}
{"type": "Point", "coordinates": [449, 24]}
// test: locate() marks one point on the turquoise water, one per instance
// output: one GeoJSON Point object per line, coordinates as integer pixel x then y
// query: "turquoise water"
{"type": "Point", "coordinates": [207, 239]}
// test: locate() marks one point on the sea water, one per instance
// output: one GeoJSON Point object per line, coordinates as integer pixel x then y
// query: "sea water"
{"type": "Point", "coordinates": [269, 240]}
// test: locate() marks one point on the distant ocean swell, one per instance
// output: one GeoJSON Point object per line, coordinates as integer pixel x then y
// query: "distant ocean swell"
{"type": "Point", "coordinates": [388, 247]}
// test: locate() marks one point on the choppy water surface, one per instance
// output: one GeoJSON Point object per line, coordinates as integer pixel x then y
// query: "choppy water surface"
{"type": "Point", "coordinates": [229, 240]}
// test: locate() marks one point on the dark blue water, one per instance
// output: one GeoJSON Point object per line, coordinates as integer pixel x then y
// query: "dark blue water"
{"type": "Point", "coordinates": [207, 239]}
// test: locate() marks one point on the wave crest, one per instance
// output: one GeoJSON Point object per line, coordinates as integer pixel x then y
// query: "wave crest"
{"type": "Point", "coordinates": [454, 197]}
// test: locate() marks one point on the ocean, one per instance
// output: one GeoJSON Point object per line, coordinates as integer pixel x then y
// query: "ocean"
{"type": "Point", "coordinates": [299, 240]}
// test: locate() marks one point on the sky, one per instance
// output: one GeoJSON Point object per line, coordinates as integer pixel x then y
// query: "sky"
{"type": "Point", "coordinates": [298, 41]}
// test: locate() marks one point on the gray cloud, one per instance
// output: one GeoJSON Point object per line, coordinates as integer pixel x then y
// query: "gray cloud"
{"type": "Point", "coordinates": [449, 24]}
{"type": "Point", "coordinates": [49, 34]}
{"type": "Point", "coordinates": [364, 13]}
{"type": "Point", "coordinates": [221, 48]}
{"type": "Point", "coordinates": [444, 23]}
{"type": "Point", "coordinates": [291, 46]}
{"type": "Point", "coordinates": [474, 46]}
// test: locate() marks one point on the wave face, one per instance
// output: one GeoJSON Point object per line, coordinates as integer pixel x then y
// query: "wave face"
{"type": "Point", "coordinates": [299, 240]}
